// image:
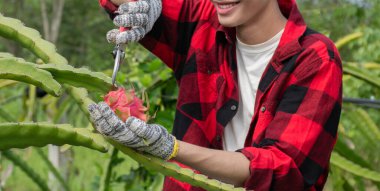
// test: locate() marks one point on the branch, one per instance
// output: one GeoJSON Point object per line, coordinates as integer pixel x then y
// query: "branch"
{"type": "Point", "coordinates": [57, 18]}
{"type": "Point", "coordinates": [45, 20]}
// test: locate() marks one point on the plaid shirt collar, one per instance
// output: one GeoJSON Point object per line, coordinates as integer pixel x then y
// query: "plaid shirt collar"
{"type": "Point", "coordinates": [289, 44]}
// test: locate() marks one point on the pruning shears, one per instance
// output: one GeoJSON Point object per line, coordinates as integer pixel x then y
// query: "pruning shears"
{"type": "Point", "coordinates": [119, 55]}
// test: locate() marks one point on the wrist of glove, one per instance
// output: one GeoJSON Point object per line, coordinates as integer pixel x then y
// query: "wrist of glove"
{"type": "Point", "coordinates": [134, 133]}
{"type": "Point", "coordinates": [139, 15]}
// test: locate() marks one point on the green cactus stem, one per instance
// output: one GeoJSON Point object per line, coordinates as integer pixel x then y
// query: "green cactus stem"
{"type": "Point", "coordinates": [19, 70]}
{"type": "Point", "coordinates": [79, 77]}
{"type": "Point", "coordinates": [31, 39]}
{"type": "Point", "coordinates": [22, 135]}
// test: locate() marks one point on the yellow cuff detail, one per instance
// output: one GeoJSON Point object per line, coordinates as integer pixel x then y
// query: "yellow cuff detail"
{"type": "Point", "coordinates": [175, 149]}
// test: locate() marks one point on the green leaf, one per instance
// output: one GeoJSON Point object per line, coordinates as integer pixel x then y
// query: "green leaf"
{"type": "Point", "coordinates": [146, 80]}
{"type": "Point", "coordinates": [19, 70]}
{"type": "Point", "coordinates": [106, 178]}
{"type": "Point", "coordinates": [26, 169]}
{"type": "Point", "coordinates": [80, 95]}
{"type": "Point", "coordinates": [362, 74]}
{"type": "Point", "coordinates": [362, 125]}
{"type": "Point", "coordinates": [22, 135]}
{"type": "Point", "coordinates": [342, 149]}
{"type": "Point", "coordinates": [154, 65]}
{"type": "Point", "coordinates": [62, 109]}
{"type": "Point", "coordinates": [368, 123]}
{"type": "Point", "coordinates": [346, 185]}
{"type": "Point", "coordinates": [6, 116]}
{"type": "Point", "coordinates": [354, 168]}
{"type": "Point", "coordinates": [5, 83]}
{"type": "Point", "coordinates": [347, 39]}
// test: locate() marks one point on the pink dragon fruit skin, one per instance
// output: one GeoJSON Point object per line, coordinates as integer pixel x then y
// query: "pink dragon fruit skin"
{"type": "Point", "coordinates": [126, 104]}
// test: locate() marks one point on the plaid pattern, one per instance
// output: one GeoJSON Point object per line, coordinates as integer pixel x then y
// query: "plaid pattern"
{"type": "Point", "coordinates": [298, 103]}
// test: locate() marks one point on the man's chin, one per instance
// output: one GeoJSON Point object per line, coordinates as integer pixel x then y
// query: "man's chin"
{"type": "Point", "coordinates": [227, 23]}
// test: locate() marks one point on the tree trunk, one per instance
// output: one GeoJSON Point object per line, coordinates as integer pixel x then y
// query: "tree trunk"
{"type": "Point", "coordinates": [51, 28]}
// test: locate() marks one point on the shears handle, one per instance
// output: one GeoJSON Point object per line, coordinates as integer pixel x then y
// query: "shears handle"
{"type": "Point", "coordinates": [119, 54]}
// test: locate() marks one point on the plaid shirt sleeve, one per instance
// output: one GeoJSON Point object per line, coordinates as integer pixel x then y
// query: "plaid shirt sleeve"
{"type": "Point", "coordinates": [171, 35]}
{"type": "Point", "coordinates": [295, 149]}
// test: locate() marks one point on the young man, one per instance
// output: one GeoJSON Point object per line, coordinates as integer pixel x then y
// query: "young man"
{"type": "Point", "coordinates": [259, 93]}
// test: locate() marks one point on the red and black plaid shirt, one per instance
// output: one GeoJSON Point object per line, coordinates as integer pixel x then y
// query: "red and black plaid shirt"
{"type": "Point", "coordinates": [298, 103]}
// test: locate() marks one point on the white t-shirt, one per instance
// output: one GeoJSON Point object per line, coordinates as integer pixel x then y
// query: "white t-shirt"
{"type": "Point", "coordinates": [251, 63]}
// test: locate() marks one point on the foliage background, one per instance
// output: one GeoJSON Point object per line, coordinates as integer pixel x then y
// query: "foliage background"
{"type": "Point", "coordinates": [81, 39]}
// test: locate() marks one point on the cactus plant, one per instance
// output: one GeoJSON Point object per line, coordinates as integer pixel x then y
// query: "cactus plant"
{"type": "Point", "coordinates": [40, 134]}
{"type": "Point", "coordinates": [31, 39]}
{"type": "Point", "coordinates": [22, 135]}
{"type": "Point", "coordinates": [19, 70]}
{"type": "Point", "coordinates": [82, 77]}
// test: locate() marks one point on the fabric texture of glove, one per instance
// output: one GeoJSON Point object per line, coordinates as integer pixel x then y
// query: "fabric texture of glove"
{"type": "Point", "coordinates": [134, 133]}
{"type": "Point", "coordinates": [139, 15]}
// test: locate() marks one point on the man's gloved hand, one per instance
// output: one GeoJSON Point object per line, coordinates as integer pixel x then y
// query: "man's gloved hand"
{"type": "Point", "coordinates": [135, 133]}
{"type": "Point", "coordinates": [139, 15]}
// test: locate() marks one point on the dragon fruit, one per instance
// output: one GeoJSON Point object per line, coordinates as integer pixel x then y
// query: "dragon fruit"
{"type": "Point", "coordinates": [125, 103]}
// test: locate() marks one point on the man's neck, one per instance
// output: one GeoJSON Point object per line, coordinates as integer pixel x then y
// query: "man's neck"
{"type": "Point", "coordinates": [263, 27]}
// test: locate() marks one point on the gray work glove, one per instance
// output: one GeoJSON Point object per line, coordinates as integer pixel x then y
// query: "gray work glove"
{"type": "Point", "coordinates": [134, 133]}
{"type": "Point", "coordinates": [139, 15]}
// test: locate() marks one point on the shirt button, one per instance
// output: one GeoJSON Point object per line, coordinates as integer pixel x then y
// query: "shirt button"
{"type": "Point", "coordinates": [233, 107]}
{"type": "Point", "coordinates": [263, 109]}
{"type": "Point", "coordinates": [209, 72]}
{"type": "Point", "coordinates": [218, 138]}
